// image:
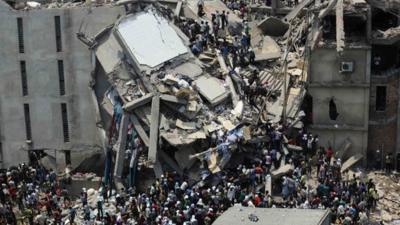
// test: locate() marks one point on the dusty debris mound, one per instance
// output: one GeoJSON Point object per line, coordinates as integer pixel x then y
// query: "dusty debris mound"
{"type": "Point", "coordinates": [388, 187]}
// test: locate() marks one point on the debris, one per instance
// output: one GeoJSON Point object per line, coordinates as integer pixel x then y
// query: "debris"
{"type": "Point", "coordinates": [185, 125]}
{"type": "Point", "coordinates": [350, 162]}
{"type": "Point", "coordinates": [212, 90]}
{"type": "Point", "coordinates": [273, 26]}
{"type": "Point", "coordinates": [197, 135]}
{"type": "Point", "coordinates": [267, 50]}
{"type": "Point", "coordinates": [138, 102]}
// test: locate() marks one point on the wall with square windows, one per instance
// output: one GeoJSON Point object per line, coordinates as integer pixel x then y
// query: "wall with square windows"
{"type": "Point", "coordinates": [45, 100]}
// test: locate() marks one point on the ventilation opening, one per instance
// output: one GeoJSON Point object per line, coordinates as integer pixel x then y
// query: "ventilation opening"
{"type": "Point", "coordinates": [20, 35]}
{"type": "Point", "coordinates": [57, 22]}
{"type": "Point", "coordinates": [61, 77]}
{"type": "Point", "coordinates": [380, 104]}
{"type": "Point", "coordinates": [65, 122]}
{"type": "Point", "coordinates": [28, 129]}
{"type": "Point", "coordinates": [24, 81]}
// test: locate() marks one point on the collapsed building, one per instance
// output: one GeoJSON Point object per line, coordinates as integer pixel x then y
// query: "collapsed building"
{"type": "Point", "coordinates": [147, 83]}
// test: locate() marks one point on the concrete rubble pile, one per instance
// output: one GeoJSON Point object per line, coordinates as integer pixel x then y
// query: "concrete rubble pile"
{"type": "Point", "coordinates": [388, 187]}
{"type": "Point", "coordinates": [183, 106]}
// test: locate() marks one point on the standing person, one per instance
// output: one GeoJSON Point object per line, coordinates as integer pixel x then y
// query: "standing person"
{"type": "Point", "coordinates": [388, 162]}
{"type": "Point", "coordinates": [329, 154]}
{"type": "Point", "coordinates": [223, 20]}
{"type": "Point", "coordinates": [86, 211]}
{"type": "Point", "coordinates": [100, 200]}
{"type": "Point", "coordinates": [72, 214]}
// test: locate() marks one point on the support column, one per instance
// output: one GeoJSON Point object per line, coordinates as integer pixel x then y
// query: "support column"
{"type": "Point", "coordinates": [154, 126]}
{"type": "Point", "coordinates": [119, 160]}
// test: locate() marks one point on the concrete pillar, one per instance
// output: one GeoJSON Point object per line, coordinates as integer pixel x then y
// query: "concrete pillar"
{"type": "Point", "coordinates": [154, 126]}
{"type": "Point", "coordinates": [119, 159]}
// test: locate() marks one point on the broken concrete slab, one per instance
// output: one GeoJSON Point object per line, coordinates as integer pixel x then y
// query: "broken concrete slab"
{"type": "Point", "coordinates": [212, 127]}
{"type": "Point", "coordinates": [350, 162]}
{"type": "Point", "coordinates": [176, 139]}
{"type": "Point", "coordinates": [138, 102]}
{"type": "Point", "coordinates": [192, 106]}
{"type": "Point", "coordinates": [185, 125]}
{"type": "Point", "coordinates": [173, 99]}
{"type": "Point", "coordinates": [197, 135]}
{"type": "Point", "coordinates": [108, 53]}
{"type": "Point", "coordinates": [227, 124]}
{"type": "Point", "coordinates": [213, 162]}
{"type": "Point", "coordinates": [247, 133]}
{"type": "Point", "coordinates": [189, 69]}
{"type": "Point", "coordinates": [267, 50]}
{"type": "Point", "coordinates": [154, 128]}
{"type": "Point", "coordinates": [281, 171]}
{"type": "Point", "coordinates": [273, 26]}
{"type": "Point", "coordinates": [212, 90]}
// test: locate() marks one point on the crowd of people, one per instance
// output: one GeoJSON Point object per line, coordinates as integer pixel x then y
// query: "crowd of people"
{"type": "Point", "coordinates": [34, 195]}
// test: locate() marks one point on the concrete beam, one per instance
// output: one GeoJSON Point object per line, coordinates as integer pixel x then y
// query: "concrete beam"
{"type": "Point", "coordinates": [339, 27]}
{"type": "Point", "coordinates": [119, 160]}
{"type": "Point", "coordinates": [324, 12]}
{"type": "Point", "coordinates": [178, 8]}
{"type": "Point", "coordinates": [154, 128]}
{"type": "Point", "coordinates": [173, 99]}
{"type": "Point", "coordinates": [139, 129]}
{"type": "Point", "coordinates": [228, 79]}
{"type": "Point", "coordinates": [138, 102]}
{"type": "Point", "coordinates": [350, 162]}
{"type": "Point", "coordinates": [297, 10]}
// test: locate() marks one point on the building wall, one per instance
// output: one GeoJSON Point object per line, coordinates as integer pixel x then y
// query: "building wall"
{"type": "Point", "coordinates": [383, 124]}
{"type": "Point", "coordinates": [350, 92]}
{"type": "Point", "coordinates": [43, 80]}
